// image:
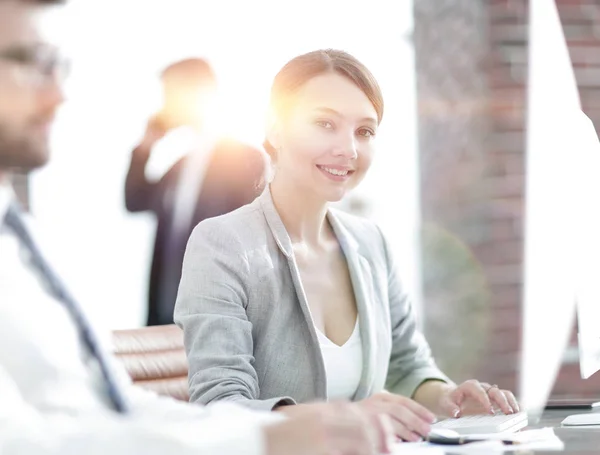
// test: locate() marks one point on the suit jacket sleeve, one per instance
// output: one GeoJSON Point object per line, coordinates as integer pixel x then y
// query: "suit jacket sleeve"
{"type": "Point", "coordinates": [140, 193]}
{"type": "Point", "coordinates": [411, 362]}
{"type": "Point", "coordinates": [211, 310]}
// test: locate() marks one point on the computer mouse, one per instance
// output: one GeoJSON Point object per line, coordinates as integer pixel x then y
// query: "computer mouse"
{"type": "Point", "coordinates": [575, 420]}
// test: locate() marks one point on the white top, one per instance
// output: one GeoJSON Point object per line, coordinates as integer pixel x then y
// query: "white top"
{"type": "Point", "coordinates": [52, 394]}
{"type": "Point", "coordinates": [343, 364]}
{"type": "Point", "coordinates": [190, 181]}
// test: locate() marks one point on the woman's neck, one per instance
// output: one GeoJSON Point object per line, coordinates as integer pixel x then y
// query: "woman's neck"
{"type": "Point", "coordinates": [304, 217]}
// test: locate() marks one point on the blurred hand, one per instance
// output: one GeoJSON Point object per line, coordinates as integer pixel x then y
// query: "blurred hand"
{"type": "Point", "coordinates": [154, 132]}
{"type": "Point", "coordinates": [410, 420]}
{"type": "Point", "coordinates": [329, 429]}
{"type": "Point", "coordinates": [474, 397]}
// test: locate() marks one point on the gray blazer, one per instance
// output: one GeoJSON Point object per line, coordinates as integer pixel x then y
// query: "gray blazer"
{"type": "Point", "coordinates": [247, 328]}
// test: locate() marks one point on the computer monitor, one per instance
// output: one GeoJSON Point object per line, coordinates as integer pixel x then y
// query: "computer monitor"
{"type": "Point", "coordinates": [554, 123]}
{"type": "Point", "coordinates": [587, 244]}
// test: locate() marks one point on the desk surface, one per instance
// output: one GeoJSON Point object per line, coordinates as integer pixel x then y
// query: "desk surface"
{"type": "Point", "coordinates": [578, 440]}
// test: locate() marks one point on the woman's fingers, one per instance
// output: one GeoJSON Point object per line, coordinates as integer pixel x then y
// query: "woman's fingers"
{"type": "Point", "coordinates": [497, 396]}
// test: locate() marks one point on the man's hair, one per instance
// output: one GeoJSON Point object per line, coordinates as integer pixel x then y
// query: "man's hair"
{"type": "Point", "coordinates": [191, 71]}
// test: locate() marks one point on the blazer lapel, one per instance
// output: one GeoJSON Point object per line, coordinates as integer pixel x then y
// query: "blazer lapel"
{"type": "Point", "coordinates": [360, 271]}
{"type": "Point", "coordinates": [284, 243]}
{"type": "Point", "coordinates": [277, 227]}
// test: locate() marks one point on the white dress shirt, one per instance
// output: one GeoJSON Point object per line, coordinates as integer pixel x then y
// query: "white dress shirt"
{"type": "Point", "coordinates": [52, 395]}
{"type": "Point", "coordinates": [189, 182]}
{"type": "Point", "coordinates": [343, 365]}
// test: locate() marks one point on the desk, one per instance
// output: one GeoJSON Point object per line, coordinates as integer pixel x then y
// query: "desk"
{"type": "Point", "coordinates": [578, 440]}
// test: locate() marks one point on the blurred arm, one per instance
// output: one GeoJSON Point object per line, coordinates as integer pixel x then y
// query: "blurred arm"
{"type": "Point", "coordinates": [139, 191]}
{"type": "Point", "coordinates": [214, 431]}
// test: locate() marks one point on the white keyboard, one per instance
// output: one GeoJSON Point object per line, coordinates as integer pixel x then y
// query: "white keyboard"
{"type": "Point", "coordinates": [484, 424]}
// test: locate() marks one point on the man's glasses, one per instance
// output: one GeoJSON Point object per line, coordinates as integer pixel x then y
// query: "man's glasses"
{"type": "Point", "coordinates": [36, 65]}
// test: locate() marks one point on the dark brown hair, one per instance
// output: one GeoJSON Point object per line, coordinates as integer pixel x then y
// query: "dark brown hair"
{"type": "Point", "coordinates": [303, 68]}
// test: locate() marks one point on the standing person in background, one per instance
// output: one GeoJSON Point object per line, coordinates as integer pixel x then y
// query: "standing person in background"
{"type": "Point", "coordinates": [216, 177]}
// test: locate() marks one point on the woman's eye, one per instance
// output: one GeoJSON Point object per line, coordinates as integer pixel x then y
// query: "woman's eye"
{"type": "Point", "coordinates": [365, 132]}
{"type": "Point", "coordinates": [324, 124]}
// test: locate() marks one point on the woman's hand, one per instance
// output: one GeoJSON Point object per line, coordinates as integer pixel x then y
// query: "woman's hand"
{"type": "Point", "coordinates": [474, 397]}
{"type": "Point", "coordinates": [410, 421]}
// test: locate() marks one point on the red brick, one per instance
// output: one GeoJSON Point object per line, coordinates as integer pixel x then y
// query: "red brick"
{"type": "Point", "coordinates": [573, 14]}
{"type": "Point", "coordinates": [508, 33]}
{"type": "Point", "coordinates": [507, 381]}
{"type": "Point", "coordinates": [591, 107]}
{"type": "Point", "coordinates": [506, 77]}
{"type": "Point", "coordinates": [516, 94]}
{"type": "Point", "coordinates": [509, 12]}
{"type": "Point", "coordinates": [503, 363]}
{"type": "Point", "coordinates": [514, 165]}
{"type": "Point", "coordinates": [444, 108]}
{"type": "Point", "coordinates": [508, 122]}
{"type": "Point", "coordinates": [507, 319]}
{"type": "Point", "coordinates": [509, 274]}
{"type": "Point", "coordinates": [500, 252]}
{"type": "Point", "coordinates": [573, 339]}
{"type": "Point", "coordinates": [580, 3]}
{"type": "Point", "coordinates": [506, 186]}
{"type": "Point", "coordinates": [508, 341]}
{"type": "Point", "coordinates": [512, 54]}
{"type": "Point", "coordinates": [579, 31]}
{"type": "Point", "coordinates": [588, 77]}
{"type": "Point", "coordinates": [584, 55]}
{"type": "Point", "coordinates": [591, 42]}
{"type": "Point", "coordinates": [490, 373]}
{"type": "Point", "coordinates": [507, 142]}
{"type": "Point", "coordinates": [502, 230]}
{"type": "Point", "coordinates": [496, 167]}
{"type": "Point", "coordinates": [512, 105]}
{"type": "Point", "coordinates": [506, 296]}
{"type": "Point", "coordinates": [503, 208]}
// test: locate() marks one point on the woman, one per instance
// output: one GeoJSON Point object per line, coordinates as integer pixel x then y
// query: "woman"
{"type": "Point", "coordinates": [287, 301]}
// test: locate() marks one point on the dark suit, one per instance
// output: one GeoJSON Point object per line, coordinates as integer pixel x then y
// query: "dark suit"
{"type": "Point", "coordinates": [234, 177]}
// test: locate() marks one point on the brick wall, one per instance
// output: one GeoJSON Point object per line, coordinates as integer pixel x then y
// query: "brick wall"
{"type": "Point", "coordinates": [471, 68]}
{"type": "Point", "coordinates": [450, 42]}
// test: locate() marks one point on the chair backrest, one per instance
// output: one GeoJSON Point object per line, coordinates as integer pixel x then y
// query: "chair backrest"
{"type": "Point", "coordinates": [155, 359]}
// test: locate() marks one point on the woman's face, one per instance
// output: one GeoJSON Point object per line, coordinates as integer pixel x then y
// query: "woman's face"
{"type": "Point", "coordinates": [326, 141]}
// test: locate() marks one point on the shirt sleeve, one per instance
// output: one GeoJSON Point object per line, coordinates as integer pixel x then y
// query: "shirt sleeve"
{"type": "Point", "coordinates": [218, 430]}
